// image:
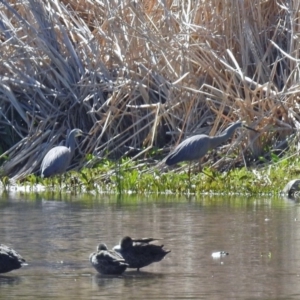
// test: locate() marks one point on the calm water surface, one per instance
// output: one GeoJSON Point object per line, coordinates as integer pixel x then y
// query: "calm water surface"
{"type": "Point", "coordinates": [56, 236]}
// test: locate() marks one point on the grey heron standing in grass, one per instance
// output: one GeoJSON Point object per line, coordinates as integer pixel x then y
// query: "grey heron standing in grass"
{"type": "Point", "coordinates": [10, 259]}
{"type": "Point", "coordinates": [58, 159]}
{"type": "Point", "coordinates": [195, 147]}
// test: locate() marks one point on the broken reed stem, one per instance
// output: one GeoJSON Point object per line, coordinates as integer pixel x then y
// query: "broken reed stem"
{"type": "Point", "coordinates": [139, 75]}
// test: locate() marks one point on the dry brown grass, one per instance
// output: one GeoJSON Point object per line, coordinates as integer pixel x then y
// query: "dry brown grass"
{"type": "Point", "coordinates": [144, 74]}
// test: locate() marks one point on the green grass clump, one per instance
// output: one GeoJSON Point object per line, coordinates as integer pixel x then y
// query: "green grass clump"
{"type": "Point", "coordinates": [127, 177]}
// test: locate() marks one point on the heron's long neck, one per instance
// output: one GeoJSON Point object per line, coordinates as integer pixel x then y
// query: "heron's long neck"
{"type": "Point", "coordinates": [70, 143]}
{"type": "Point", "coordinates": [224, 136]}
{"type": "Point", "coordinates": [217, 140]}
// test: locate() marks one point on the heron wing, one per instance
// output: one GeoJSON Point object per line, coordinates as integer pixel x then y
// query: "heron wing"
{"type": "Point", "coordinates": [192, 148]}
{"type": "Point", "coordinates": [56, 161]}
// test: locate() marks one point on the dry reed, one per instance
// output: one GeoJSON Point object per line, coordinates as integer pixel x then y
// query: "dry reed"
{"type": "Point", "coordinates": [144, 74]}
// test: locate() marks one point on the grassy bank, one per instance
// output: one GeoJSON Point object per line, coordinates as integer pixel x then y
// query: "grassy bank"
{"type": "Point", "coordinates": [127, 177]}
{"type": "Point", "coordinates": [142, 76]}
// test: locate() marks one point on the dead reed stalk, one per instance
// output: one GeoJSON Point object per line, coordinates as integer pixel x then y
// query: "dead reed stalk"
{"type": "Point", "coordinates": [144, 74]}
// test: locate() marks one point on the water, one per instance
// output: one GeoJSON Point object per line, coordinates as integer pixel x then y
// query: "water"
{"type": "Point", "coordinates": [262, 237]}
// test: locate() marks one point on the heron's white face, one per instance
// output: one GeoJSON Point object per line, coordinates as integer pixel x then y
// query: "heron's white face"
{"type": "Point", "coordinates": [79, 133]}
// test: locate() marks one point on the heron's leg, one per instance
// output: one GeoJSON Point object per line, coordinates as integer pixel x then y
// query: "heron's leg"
{"type": "Point", "coordinates": [207, 174]}
{"type": "Point", "coordinates": [200, 170]}
{"type": "Point", "coordinates": [189, 174]}
{"type": "Point", "coordinates": [60, 180]}
{"type": "Point", "coordinates": [199, 166]}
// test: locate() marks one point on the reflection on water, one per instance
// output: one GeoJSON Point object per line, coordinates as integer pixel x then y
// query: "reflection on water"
{"type": "Point", "coordinates": [57, 237]}
{"type": "Point", "coordinates": [9, 280]}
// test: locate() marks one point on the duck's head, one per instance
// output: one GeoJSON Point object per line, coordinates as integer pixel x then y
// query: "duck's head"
{"type": "Point", "coordinates": [126, 242]}
{"type": "Point", "coordinates": [101, 246]}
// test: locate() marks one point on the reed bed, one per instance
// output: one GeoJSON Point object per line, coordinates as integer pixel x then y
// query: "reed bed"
{"type": "Point", "coordinates": [141, 76]}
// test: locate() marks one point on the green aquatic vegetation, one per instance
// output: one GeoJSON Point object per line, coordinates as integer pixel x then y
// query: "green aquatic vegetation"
{"type": "Point", "coordinates": [87, 177]}
{"type": "Point", "coordinates": [127, 177]}
{"type": "Point", "coordinates": [5, 182]}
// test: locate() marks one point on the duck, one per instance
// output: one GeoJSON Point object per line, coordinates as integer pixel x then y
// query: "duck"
{"type": "Point", "coordinates": [10, 259]}
{"type": "Point", "coordinates": [107, 262]}
{"type": "Point", "coordinates": [139, 253]}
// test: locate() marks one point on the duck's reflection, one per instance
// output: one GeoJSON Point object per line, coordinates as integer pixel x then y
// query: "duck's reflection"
{"type": "Point", "coordinates": [9, 280]}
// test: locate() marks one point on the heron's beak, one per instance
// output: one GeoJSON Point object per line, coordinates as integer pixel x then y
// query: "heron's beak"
{"type": "Point", "coordinates": [249, 128]}
{"type": "Point", "coordinates": [86, 134]}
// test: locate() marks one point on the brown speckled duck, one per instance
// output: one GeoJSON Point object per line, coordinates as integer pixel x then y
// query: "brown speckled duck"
{"type": "Point", "coordinates": [107, 261]}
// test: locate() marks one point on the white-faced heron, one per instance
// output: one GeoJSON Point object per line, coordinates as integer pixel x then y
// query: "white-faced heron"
{"type": "Point", "coordinates": [58, 159]}
{"type": "Point", "coordinates": [195, 147]}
